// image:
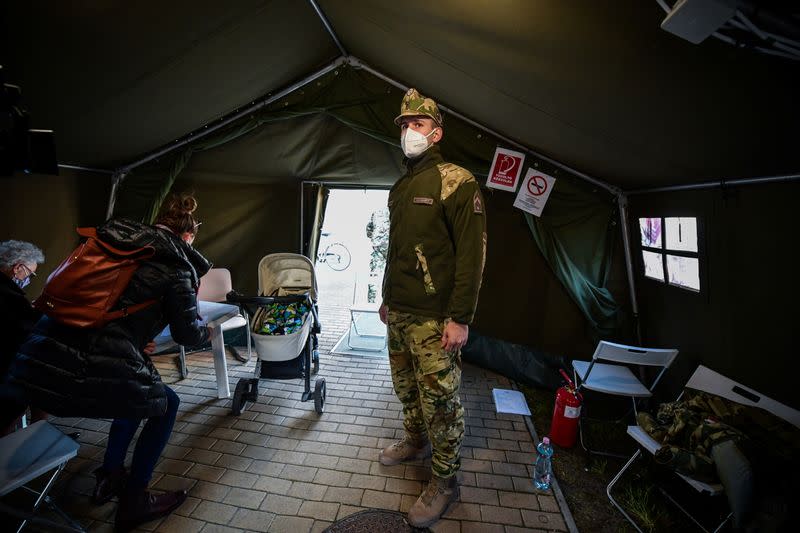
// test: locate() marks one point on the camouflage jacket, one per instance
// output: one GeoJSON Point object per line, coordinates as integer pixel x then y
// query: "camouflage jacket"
{"type": "Point", "coordinates": [689, 428]}
{"type": "Point", "coordinates": [437, 240]}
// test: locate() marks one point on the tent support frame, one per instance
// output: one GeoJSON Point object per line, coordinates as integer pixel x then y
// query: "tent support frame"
{"type": "Point", "coordinates": [116, 179]}
{"type": "Point", "coordinates": [328, 27]}
{"type": "Point", "coordinates": [357, 63]}
{"type": "Point", "coordinates": [238, 114]}
{"type": "Point", "coordinates": [85, 169]}
{"type": "Point", "coordinates": [717, 183]}
{"type": "Point", "coordinates": [621, 195]}
{"type": "Point", "coordinates": [208, 129]}
{"type": "Point", "coordinates": [622, 201]}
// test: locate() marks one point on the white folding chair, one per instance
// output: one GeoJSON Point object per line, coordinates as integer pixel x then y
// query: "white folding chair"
{"type": "Point", "coordinates": [706, 380]}
{"type": "Point", "coordinates": [214, 287]}
{"type": "Point", "coordinates": [29, 453]}
{"type": "Point", "coordinates": [617, 379]}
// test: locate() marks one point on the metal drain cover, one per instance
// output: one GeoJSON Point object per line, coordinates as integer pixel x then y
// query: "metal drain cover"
{"type": "Point", "coordinates": [370, 521]}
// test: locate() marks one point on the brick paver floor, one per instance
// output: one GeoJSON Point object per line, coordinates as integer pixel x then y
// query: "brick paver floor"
{"type": "Point", "coordinates": [281, 467]}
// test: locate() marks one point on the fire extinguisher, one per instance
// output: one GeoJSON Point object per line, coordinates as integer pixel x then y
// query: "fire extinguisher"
{"type": "Point", "coordinates": [567, 412]}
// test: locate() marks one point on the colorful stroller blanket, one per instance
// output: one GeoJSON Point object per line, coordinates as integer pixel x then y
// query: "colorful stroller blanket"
{"type": "Point", "coordinates": [282, 319]}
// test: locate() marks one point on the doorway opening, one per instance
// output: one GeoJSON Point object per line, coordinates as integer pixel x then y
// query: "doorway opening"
{"type": "Point", "coordinates": [349, 266]}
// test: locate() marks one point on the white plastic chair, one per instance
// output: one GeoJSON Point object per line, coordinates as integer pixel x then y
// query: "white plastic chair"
{"type": "Point", "coordinates": [617, 379]}
{"type": "Point", "coordinates": [214, 287]}
{"type": "Point", "coordinates": [29, 453]}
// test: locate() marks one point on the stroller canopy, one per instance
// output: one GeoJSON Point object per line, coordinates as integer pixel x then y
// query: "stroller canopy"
{"type": "Point", "coordinates": [284, 274]}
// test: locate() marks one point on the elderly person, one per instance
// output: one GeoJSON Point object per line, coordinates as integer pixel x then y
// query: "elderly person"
{"type": "Point", "coordinates": [18, 263]}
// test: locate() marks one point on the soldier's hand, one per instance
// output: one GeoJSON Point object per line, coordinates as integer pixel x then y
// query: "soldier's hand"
{"type": "Point", "coordinates": [455, 336]}
{"type": "Point", "coordinates": [383, 311]}
{"type": "Point", "coordinates": [149, 348]}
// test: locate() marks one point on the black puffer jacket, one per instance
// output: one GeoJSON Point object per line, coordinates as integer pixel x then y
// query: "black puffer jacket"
{"type": "Point", "coordinates": [102, 373]}
{"type": "Point", "coordinates": [17, 317]}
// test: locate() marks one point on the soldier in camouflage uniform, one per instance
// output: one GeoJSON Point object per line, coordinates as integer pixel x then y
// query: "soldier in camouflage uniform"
{"type": "Point", "coordinates": [437, 249]}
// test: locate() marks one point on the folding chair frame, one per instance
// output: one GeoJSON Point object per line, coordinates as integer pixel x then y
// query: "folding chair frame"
{"type": "Point", "coordinates": [707, 380]}
{"type": "Point", "coordinates": [354, 329]}
{"type": "Point", "coordinates": [638, 356]}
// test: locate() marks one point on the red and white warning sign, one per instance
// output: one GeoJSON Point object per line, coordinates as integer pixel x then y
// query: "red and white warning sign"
{"type": "Point", "coordinates": [505, 170]}
{"type": "Point", "coordinates": [535, 191]}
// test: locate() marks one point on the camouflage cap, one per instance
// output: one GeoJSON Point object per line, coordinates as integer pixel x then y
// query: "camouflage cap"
{"type": "Point", "coordinates": [414, 104]}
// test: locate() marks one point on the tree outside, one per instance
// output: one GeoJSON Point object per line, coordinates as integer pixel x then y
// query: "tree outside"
{"type": "Point", "coordinates": [378, 234]}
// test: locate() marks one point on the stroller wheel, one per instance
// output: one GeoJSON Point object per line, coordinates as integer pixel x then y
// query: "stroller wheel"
{"type": "Point", "coordinates": [315, 360]}
{"type": "Point", "coordinates": [319, 395]}
{"type": "Point", "coordinates": [239, 397]}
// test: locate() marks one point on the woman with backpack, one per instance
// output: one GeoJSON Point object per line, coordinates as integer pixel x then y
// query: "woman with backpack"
{"type": "Point", "coordinates": [105, 371]}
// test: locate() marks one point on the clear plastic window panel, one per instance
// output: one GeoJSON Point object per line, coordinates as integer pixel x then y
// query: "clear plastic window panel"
{"type": "Point", "coordinates": [650, 229]}
{"type": "Point", "coordinates": [681, 234]}
{"type": "Point", "coordinates": [684, 271]}
{"type": "Point", "coordinates": [653, 265]}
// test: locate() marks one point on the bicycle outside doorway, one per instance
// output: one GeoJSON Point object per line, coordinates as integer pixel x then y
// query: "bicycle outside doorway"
{"type": "Point", "coordinates": [334, 254]}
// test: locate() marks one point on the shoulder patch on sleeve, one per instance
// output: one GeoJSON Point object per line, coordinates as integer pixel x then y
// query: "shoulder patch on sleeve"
{"type": "Point", "coordinates": [453, 176]}
{"type": "Point", "coordinates": [477, 203]}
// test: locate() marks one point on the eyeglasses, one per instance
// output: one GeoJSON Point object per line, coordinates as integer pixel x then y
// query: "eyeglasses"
{"type": "Point", "coordinates": [31, 273]}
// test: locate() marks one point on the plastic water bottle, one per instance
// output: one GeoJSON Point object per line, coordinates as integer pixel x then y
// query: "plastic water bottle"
{"type": "Point", "coordinates": [543, 469]}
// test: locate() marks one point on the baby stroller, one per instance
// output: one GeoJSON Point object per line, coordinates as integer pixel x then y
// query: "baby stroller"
{"type": "Point", "coordinates": [284, 325]}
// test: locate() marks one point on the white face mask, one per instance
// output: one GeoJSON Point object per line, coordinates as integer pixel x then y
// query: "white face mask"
{"type": "Point", "coordinates": [414, 143]}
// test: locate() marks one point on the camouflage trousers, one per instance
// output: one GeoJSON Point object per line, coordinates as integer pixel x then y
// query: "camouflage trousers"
{"type": "Point", "coordinates": [426, 380]}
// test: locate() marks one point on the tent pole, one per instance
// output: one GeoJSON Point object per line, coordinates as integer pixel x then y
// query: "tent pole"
{"type": "Point", "coordinates": [85, 169]}
{"type": "Point", "coordinates": [328, 27]}
{"type": "Point", "coordinates": [224, 121]}
{"type": "Point", "coordinates": [313, 243]}
{"type": "Point", "coordinates": [718, 183]}
{"type": "Point", "coordinates": [357, 63]}
{"type": "Point", "coordinates": [622, 201]}
{"type": "Point", "coordinates": [302, 217]}
{"type": "Point", "coordinates": [116, 179]}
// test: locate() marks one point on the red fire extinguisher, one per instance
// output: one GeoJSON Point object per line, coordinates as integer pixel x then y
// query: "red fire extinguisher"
{"type": "Point", "coordinates": [567, 412]}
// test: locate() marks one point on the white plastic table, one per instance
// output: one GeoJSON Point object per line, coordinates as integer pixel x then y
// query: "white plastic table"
{"type": "Point", "coordinates": [213, 315]}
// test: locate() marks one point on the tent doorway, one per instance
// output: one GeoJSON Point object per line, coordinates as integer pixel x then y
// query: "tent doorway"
{"type": "Point", "coordinates": [349, 266]}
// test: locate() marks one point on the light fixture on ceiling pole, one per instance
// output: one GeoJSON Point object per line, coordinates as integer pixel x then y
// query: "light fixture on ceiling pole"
{"type": "Point", "coordinates": [728, 21]}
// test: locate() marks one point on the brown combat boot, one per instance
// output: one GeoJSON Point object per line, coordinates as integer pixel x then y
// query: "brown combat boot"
{"type": "Point", "coordinates": [405, 450]}
{"type": "Point", "coordinates": [433, 501]}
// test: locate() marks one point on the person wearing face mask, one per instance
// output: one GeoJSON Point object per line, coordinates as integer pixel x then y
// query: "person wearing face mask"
{"type": "Point", "coordinates": [106, 372]}
{"type": "Point", "coordinates": [18, 263]}
{"type": "Point", "coordinates": [434, 268]}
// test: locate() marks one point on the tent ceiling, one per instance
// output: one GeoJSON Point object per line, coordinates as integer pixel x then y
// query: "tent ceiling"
{"type": "Point", "coordinates": [604, 90]}
{"type": "Point", "coordinates": [118, 79]}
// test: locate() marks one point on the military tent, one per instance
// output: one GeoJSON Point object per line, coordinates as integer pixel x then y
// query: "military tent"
{"type": "Point", "coordinates": [258, 105]}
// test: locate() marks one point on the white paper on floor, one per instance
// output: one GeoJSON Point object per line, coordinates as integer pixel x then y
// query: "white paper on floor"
{"type": "Point", "coordinates": [510, 401]}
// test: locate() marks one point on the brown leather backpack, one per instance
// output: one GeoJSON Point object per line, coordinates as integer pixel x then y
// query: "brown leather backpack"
{"type": "Point", "coordinates": [88, 283]}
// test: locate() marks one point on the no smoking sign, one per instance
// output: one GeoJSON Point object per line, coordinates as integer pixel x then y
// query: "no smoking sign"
{"type": "Point", "coordinates": [533, 196]}
{"type": "Point", "coordinates": [537, 185]}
